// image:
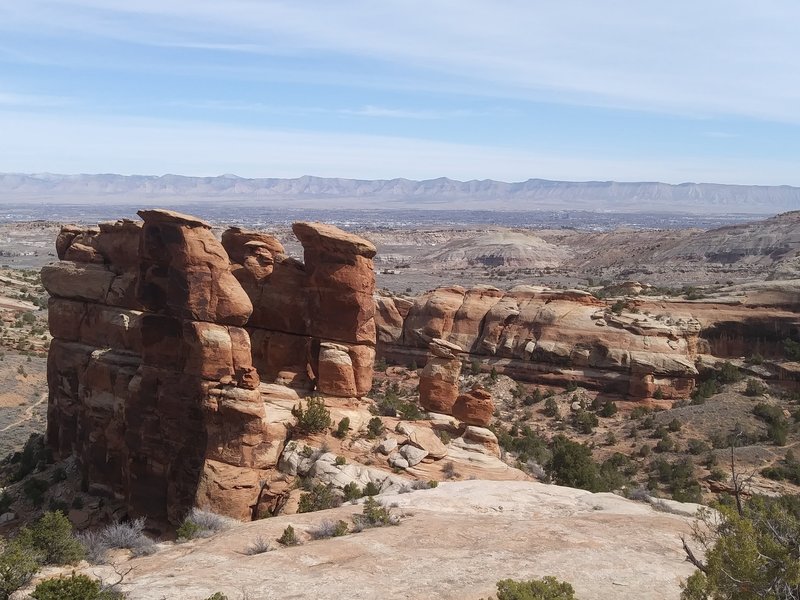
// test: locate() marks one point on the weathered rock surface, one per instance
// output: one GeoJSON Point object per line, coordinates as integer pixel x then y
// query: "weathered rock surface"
{"type": "Point", "coordinates": [438, 380]}
{"type": "Point", "coordinates": [312, 320]}
{"type": "Point", "coordinates": [607, 547]}
{"type": "Point", "coordinates": [153, 379]}
{"type": "Point", "coordinates": [541, 335]}
{"type": "Point", "coordinates": [159, 404]}
{"type": "Point", "coordinates": [424, 439]}
{"type": "Point", "coordinates": [474, 407]}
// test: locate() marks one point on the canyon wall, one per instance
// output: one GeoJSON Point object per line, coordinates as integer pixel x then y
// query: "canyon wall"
{"type": "Point", "coordinates": [644, 345]}
{"type": "Point", "coordinates": [547, 336]}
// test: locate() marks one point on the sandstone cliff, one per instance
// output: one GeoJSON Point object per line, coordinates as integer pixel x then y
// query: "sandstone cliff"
{"type": "Point", "coordinates": [153, 378]}
{"type": "Point", "coordinates": [548, 336]}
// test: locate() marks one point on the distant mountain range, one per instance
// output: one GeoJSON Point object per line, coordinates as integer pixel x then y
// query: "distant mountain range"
{"type": "Point", "coordinates": [441, 194]}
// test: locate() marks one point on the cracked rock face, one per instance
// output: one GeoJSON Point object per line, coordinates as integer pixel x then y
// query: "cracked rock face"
{"type": "Point", "coordinates": [539, 335]}
{"type": "Point", "coordinates": [162, 335]}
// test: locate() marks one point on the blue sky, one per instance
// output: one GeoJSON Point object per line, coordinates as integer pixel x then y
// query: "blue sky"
{"type": "Point", "coordinates": [503, 89]}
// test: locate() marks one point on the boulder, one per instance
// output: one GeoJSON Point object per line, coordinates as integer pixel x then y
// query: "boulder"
{"type": "Point", "coordinates": [438, 380]}
{"type": "Point", "coordinates": [424, 439]}
{"type": "Point", "coordinates": [387, 446]}
{"type": "Point", "coordinates": [475, 407]}
{"type": "Point", "coordinates": [236, 240]}
{"type": "Point", "coordinates": [336, 376]}
{"type": "Point", "coordinates": [413, 454]}
{"type": "Point", "coordinates": [482, 437]}
{"type": "Point", "coordinates": [397, 461]}
{"type": "Point", "coordinates": [77, 281]}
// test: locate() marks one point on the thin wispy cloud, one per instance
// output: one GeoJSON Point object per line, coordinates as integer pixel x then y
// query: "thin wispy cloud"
{"type": "Point", "coordinates": [644, 90]}
{"type": "Point", "coordinates": [11, 99]}
{"type": "Point", "coordinates": [405, 113]}
{"type": "Point", "coordinates": [710, 57]}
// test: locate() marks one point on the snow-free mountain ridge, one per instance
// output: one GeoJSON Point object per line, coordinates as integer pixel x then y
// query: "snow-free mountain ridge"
{"type": "Point", "coordinates": [440, 194]}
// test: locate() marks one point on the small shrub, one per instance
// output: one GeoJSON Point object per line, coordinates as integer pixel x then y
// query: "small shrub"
{"type": "Point", "coordinates": [698, 447]}
{"type": "Point", "coordinates": [609, 409]}
{"type": "Point", "coordinates": [729, 373]}
{"type": "Point", "coordinates": [658, 394]}
{"type": "Point", "coordinates": [329, 529]}
{"type": "Point", "coordinates": [547, 588]}
{"type": "Point", "coordinates": [755, 359]}
{"type": "Point", "coordinates": [572, 465]}
{"type": "Point", "coordinates": [75, 587]}
{"type": "Point", "coordinates": [259, 546]}
{"type": "Point", "coordinates": [777, 425]}
{"type": "Point", "coordinates": [584, 421]}
{"type": "Point", "coordinates": [188, 530]}
{"type": "Point", "coordinates": [321, 497]}
{"type": "Point", "coordinates": [533, 398]}
{"type": "Point", "coordinates": [755, 388]}
{"type": "Point", "coordinates": [289, 537]}
{"type": "Point", "coordinates": [674, 425]}
{"type": "Point", "coordinates": [217, 596]}
{"type": "Point", "coordinates": [51, 540]}
{"type": "Point", "coordinates": [18, 565]}
{"type": "Point", "coordinates": [551, 408]}
{"type": "Point", "coordinates": [342, 428]}
{"type": "Point", "coordinates": [639, 412]}
{"type": "Point", "coordinates": [34, 489]}
{"type": "Point", "coordinates": [791, 349]}
{"type": "Point", "coordinates": [371, 489]}
{"type": "Point", "coordinates": [645, 451]}
{"type": "Point", "coordinates": [618, 307]}
{"type": "Point", "coordinates": [475, 367]}
{"type": "Point", "coordinates": [340, 460]}
{"type": "Point", "coordinates": [314, 418]}
{"type": "Point", "coordinates": [352, 491]}
{"type": "Point", "coordinates": [128, 536]}
{"type": "Point", "coordinates": [717, 474]}
{"type": "Point", "coordinates": [374, 514]}
{"type": "Point", "coordinates": [493, 374]}
{"type": "Point", "coordinates": [203, 523]}
{"type": "Point", "coordinates": [787, 469]}
{"type": "Point", "coordinates": [374, 427]}
{"type": "Point", "coordinates": [449, 470]}
{"type": "Point", "coordinates": [443, 436]}
{"type": "Point", "coordinates": [381, 365]}
{"type": "Point", "coordinates": [665, 444]}
{"type": "Point", "coordinates": [95, 546]}
{"type": "Point", "coordinates": [5, 502]}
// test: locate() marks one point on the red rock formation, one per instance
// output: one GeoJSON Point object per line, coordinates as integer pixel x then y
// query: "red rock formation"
{"type": "Point", "coordinates": [548, 336]}
{"type": "Point", "coordinates": [312, 320]}
{"type": "Point", "coordinates": [474, 408]}
{"type": "Point", "coordinates": [151, 370]}
{"type": "Point", "coordinates": [438, 380]}
{"type": "Point", "coordinates": [153, 401]}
